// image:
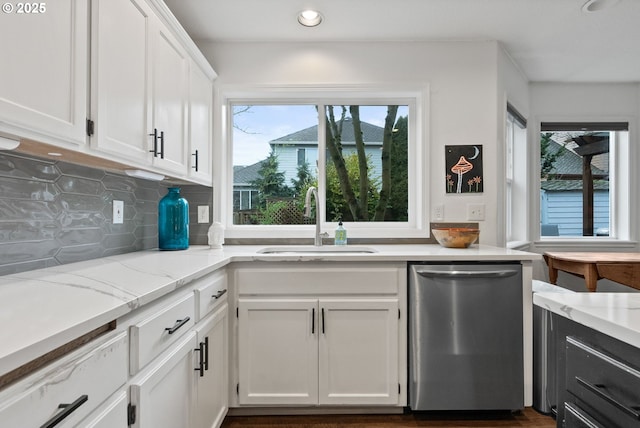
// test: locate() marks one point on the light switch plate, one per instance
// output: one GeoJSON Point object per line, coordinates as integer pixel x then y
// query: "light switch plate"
{"type": "Point", "coordinates": [203, 213]}
{"type": "Point", "coordinates": [118, 212]}
{"type": "Point", "coordinates": [475, 212]}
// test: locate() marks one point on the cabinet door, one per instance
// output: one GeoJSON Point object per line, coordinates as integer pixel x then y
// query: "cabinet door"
{"type": "Point", "coordinates": [119, 78]}
{"type": "Point", "coordinates": [43, 77]}
{"type": "Point", "coordinates": [278, 351]}
{"type": "Point", "coordinates": [169, 98]}
{"type": "Point", "coordinates": [164, 392]}
{"type": "Point", "coordinates": [358, 351]}
{"type": "Point", "coordinates": [200, 127]}
{"type": "Point", "coordinates": [111, 414]}
{"type": "Point", "coordinates": [212, 388]}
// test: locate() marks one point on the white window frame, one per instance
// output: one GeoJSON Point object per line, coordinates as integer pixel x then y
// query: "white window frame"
{"type": "Point", "coordinates": [621, 199]}
{"type": "Point", "coordinates": [516, 194]}
{"type": "Point", "coordinates": [416, 97]}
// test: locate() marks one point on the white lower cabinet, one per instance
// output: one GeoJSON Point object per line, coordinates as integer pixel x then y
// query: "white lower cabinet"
{"type": "Point", "coordinates": [358, 352]}
{"type": "Point", "coordinates": [66, 391]}
{"type": "Point", "coordinates": [278, 351]}
{"type": "Point", "coordinates": [112, 414]}
{"type": "Point", "coordinates": [212, 376]}
{"type": "Point", "coordinates": [163, 393]}
{"type": "Point", "coordinates": [304, 342]}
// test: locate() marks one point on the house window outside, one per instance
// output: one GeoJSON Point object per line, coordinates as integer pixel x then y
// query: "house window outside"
{"type": "Point", "coordinates": [576, 178]}
{"type": "Point", "coordinates": [280, 149]}
{"type": "Point", "coordinates": [302, 157]}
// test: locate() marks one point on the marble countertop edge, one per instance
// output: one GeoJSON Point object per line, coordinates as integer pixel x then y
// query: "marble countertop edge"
{"type": "Point", "coordinates": [67, 301]}
{"type": "Point", "coordinates": [614, 314]}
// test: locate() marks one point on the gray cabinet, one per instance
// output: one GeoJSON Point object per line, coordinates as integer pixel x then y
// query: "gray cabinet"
{"type": "Point", "coordinates": [598, 378]}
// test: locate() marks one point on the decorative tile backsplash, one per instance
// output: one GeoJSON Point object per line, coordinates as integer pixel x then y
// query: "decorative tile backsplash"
{"type": "Point", "coordinates": [54, 212]}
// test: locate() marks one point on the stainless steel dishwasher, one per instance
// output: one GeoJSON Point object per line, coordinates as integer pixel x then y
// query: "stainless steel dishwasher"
{"type": "Point", "coordinates": [465, 336]}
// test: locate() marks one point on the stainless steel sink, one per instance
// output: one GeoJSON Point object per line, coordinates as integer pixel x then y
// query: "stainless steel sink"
{"type": "Point", "coordinates": [295, 249]}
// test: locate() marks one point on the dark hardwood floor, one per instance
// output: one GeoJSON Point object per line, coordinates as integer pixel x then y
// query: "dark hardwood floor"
{"type": "Point", "coordinates": [527, 418]}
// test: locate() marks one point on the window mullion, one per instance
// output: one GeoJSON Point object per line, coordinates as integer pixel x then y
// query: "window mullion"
{"type": "Point", "coordinates": [322, 162]}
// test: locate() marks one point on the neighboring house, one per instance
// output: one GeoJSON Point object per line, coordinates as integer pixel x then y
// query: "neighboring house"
{"type": "Point", "coordinates": [299, 147]}
{"type": "Point", "coordinates": [302, 146]}
{"type": "Point", "coordinates": [245, 196]}
{"type": "Point", "coordinates": [561, 195]}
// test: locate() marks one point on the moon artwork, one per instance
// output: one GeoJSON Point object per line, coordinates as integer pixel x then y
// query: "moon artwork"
{"type": "Point", "coordinates": [463, 169]}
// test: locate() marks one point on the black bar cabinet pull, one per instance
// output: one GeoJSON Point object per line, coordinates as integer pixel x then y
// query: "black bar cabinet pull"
{"type": "Point", "coordinates": [195, 166]}
{"type": "Point", "coordinates": [322, 320]}
{"type": "Point", "coordinates": [200, 368]}
{"type": "Point", "coordinates": [313, 320]}
{"type": "Point", "coordinates": [219, 294]}
{"type": "Point", "coordinates": [598, 390]}
{"type": "Point", "coordinates": [206, 353]}
{"type": "Point", "coordinates": [178, 324]}
{"type": "Point", "coordinates": [68, 409]}
{"type": "Point", "coordinates": [155, 142]}
{"type": "Point", "coordinates": [161, 138]}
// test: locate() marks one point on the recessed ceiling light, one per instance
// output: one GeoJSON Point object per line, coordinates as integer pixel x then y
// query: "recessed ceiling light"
{"type": "Point", "coordinates": [309, 18]}
{"type": "Point", "coordinates": [598, 5]}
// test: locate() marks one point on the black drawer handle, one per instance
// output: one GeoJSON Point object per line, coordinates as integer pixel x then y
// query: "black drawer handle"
{"type": "Point", "coordinates": [219, 294]}
{"type": "Point", "coordinates": [178, 324]}
{"type": "Point", "coordinates": [196, 160]}
{"type": "Point", "coordinates": [68, 409]}
{"type": "Point", "coordinates": [201, 350]}
{"type": "Point", "coordinates": [598, 390]}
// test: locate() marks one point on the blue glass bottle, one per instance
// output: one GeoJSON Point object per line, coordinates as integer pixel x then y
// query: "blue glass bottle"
{"type": "Point", "coordinates": [173, 221]}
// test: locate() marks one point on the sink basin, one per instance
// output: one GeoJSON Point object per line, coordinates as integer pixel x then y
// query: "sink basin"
{"type": "Point", "coordinates": [295, 249]}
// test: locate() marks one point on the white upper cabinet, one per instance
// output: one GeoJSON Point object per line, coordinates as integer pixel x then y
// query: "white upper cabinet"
{"type": "Point", "coordinates": [200, 125]}
{"type": "Point", "coordinates": [142, 97]}
{"type": "Point", "coordinates": [43, 77]}
{"type": "Point", "coordinates": [169, 101]}
{"type": "Point", "coordinates": [119, 78]}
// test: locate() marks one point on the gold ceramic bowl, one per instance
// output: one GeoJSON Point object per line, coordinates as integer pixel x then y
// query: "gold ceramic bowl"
{"type": "Point", "coordinates": [456, 237]}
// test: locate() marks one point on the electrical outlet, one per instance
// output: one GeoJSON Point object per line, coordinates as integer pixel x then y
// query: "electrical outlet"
{"type": "Point", "coordinates": [475, 212]}
{"type": "Point", "coordinates": [438, 212]}
{"type": "Point", "coordinates": [118, 212]}
{"type": "Point", "coordinates": [203, 213]}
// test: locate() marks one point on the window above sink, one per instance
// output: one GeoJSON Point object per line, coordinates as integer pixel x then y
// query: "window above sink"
{"type": "Point", "coordinates": [281, 141]}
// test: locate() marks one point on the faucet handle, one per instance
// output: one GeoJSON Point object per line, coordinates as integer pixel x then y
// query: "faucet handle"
{"type": "Point", "coordinates": [324, 234]}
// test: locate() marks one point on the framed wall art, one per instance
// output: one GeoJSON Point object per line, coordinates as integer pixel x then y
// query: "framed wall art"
{"type": "Point", "coordinates": [463, 168]}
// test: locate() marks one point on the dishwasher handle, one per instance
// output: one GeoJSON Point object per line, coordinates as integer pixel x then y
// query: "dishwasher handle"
{"type": "Point", "coordinates": [503, 273]}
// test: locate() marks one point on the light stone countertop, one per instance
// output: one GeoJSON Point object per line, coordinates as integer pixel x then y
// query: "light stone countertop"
{"type": "Point", "coordinates": [44, 309]}
{"type": "Point", "coordinates": [614, 314]}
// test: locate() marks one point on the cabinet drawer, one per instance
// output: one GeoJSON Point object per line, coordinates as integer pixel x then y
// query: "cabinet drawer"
{"type": "Point", "coordinates": [606, 387]}
{"type": "Point", "coordinates": [112, 414]}
{"type": "Point", "coordinates": [84, 378]}
{"type": "Point", "coordinates": [159, 330]}
{"type": "Point", "coordinates": [321, 278]}
{"type": "Point", "coordinates": [210, 292]}
{"type": "Point", "coordinates": [575, 417]}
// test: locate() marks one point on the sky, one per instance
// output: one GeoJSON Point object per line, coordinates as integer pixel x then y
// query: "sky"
{"type": "Point", "coordinates": [263, 123]}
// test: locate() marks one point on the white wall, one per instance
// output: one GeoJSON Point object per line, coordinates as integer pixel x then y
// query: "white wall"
{"type": "Point", "coordinates": [464, 99]}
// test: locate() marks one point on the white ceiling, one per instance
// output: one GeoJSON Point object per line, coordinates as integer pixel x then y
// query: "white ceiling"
{"type": "Point", "coordinates": [550, 40]}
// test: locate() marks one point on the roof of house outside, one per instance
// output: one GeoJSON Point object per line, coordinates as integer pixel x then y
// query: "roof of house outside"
{"type": "Point", "coordinates": [245, 174]}
{"type": "Point", "coordinates": [570, 163]}
{"type": "Point", "coordinates": [372, 134]}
